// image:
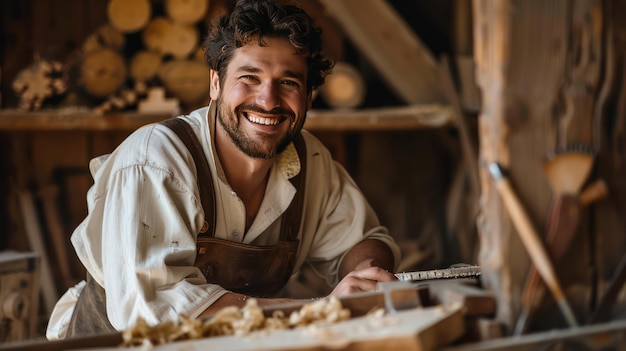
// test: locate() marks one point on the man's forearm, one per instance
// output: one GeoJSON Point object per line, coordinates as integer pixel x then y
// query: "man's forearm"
{"type": "Point", "coordinates": [367, 253]}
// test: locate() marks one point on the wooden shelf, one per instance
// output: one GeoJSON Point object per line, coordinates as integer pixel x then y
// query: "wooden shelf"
{"type": "Point", "coordinates": [389, 118]}
{"type": "Point", "coordinates": [59, 120]}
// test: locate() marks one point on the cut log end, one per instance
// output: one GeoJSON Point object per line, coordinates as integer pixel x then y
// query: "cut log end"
{"type": "Point", "coordinates": [171, 38]}
{"type": "Point", "coordinates": [344, 88]}
{"type": "Point", "coordinates": [144, 65]}
{"type": "Point", "coordinates": [103, 72]}
{"type": "Point", "coordinates": [187, 80]}
{"type": "Point", "coordinates": [129, 16]}
{"type": "Point", "coordinates": [186, 12]}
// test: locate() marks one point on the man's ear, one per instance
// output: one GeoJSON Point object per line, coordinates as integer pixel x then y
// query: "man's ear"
{"type": "Point", "coordinates": [215, 85]}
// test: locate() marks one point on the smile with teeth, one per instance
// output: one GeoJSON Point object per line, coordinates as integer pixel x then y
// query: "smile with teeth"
{"type": "Point", "coordinates": [263, 120]}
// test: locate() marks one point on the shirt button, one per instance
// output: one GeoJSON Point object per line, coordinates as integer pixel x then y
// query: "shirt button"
{"type": "Point", "coordinates": [236, 233]}
{"type": "Point", "coordinates": [233, 193]}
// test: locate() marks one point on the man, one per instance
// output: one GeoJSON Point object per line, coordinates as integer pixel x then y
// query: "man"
{"type": "Point", "coordinates": [154, 247]}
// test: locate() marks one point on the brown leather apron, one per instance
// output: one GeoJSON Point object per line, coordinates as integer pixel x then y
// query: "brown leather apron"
{"type": "Point", "coordinates": [247, 269]}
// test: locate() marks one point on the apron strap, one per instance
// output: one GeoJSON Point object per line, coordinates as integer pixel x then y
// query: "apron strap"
{"type": "Point", "coordinates": [205, 180]}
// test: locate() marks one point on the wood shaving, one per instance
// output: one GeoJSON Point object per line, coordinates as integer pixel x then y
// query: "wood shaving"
{"type": "Point", "coordinates": [234, 321]}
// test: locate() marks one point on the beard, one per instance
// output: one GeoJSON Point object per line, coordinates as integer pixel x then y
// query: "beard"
{"type": "Point", "coordinates": [269, 146]}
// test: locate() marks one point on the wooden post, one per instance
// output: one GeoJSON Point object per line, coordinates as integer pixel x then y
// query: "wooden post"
{"type": "Point", "coordinates": [523, 52]}
{"type": "Point", "coordinates": [550, 77]}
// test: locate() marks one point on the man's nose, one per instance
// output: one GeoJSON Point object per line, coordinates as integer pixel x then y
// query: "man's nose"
{"type": "Point", "coordinates": [268, 96]}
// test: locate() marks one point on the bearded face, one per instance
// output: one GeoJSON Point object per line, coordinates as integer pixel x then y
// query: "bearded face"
{"type": "Point", "coordinates": [262, 100]}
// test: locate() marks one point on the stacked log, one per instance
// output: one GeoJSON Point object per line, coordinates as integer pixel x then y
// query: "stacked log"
{"type": "Point", "coordinates": [105, 36]}
{"type": "Point", "coordinates": [166, 54]}
{"type": "Point", "coordinates": [168, 37]}
{"type": "Point", "coordinates": [188, 80]}
{"type": "Point", "coordinates": [103, 72]}
{"type": "Point", "coordinates": [149, 44]}
{"type": "Point", "coordinates": [129, 16]}
{"type": "Point", "coordinates": [186, 12]}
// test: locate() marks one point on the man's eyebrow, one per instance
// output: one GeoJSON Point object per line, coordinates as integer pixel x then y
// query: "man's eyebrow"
{"type": "Point", "coordinates": [252, 69]}
{"type": "Point", "coordinates": [249, 69]}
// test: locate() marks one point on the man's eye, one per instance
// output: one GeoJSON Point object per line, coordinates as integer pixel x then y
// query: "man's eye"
{"type": "Point", "coordinates": [251, 78]}
{"type": "Point", "coordinates": [291, 83]}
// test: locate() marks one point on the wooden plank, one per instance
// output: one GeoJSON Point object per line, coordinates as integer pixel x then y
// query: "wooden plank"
{"type": "Point", "coordinates": [392, 47]}
{"type": "Point", "coordinates": [49, 196]}
{"type": "Point", "coordinates": [37, 242]}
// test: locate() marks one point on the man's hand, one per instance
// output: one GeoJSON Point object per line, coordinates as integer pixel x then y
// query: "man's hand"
{"type": "Point", "coordinates": [362, 280]}
{"type": "Point", "coordinates": [366, 264]}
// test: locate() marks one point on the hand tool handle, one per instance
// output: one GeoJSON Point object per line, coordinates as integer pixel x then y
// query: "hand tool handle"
{"type": "Point", "coordinates": [530, 239]}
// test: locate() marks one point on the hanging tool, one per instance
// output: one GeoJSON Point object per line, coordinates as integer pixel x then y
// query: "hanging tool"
{"type": "Point", "coordinates": [531, 241]}
{"type": "Point", "coordinates": [566, 173]}
{"type": "Point", "coordinates": [533, 291]}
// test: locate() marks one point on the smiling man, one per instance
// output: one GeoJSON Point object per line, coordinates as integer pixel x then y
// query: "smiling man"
{"type": "Point", "coordinates": [229, 202]}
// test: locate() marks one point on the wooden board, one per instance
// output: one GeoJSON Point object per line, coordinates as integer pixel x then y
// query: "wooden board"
{"type": "Point", "coordinates": [411, 330]}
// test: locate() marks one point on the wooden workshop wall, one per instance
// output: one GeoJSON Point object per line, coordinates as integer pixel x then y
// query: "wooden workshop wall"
{"type": "Point", "coordinates": [552, 73]}
{"type": "Point", "coordinates": [405, 174]}
{"type": "Point", "coordinates": [54, 161]}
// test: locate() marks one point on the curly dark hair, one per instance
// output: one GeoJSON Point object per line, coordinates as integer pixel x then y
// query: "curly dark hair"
{"type": "Point", "coordinates": [255, 19]}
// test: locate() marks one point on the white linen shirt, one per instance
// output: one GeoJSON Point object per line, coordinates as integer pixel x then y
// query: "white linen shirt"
{"type": "Point", "coordinates": [138, 240]}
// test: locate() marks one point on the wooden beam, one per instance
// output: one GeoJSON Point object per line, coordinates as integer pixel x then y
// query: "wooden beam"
{"type": "Point", "coordinates": [391, 46]}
